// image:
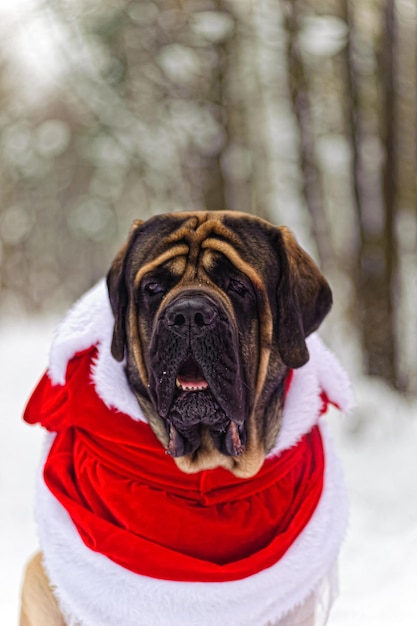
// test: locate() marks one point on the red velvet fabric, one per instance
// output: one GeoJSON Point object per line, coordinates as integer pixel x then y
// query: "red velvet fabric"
{"type": "Point", "coordinates": [130, 502]}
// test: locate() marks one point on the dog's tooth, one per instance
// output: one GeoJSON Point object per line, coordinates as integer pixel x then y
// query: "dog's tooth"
{"type": "Point", "coordinates": [185, 387]}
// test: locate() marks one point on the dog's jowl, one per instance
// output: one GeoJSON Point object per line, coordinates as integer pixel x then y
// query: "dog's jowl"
{"type": "Point", "coordinates": [188, 476]}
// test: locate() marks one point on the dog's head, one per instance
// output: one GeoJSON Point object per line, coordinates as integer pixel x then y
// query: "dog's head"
{"type": "Point", "coordinates": [211, 309]}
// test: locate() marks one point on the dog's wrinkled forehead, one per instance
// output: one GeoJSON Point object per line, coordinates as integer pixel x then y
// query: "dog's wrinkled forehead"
{"type": "Point", "coordinates": [189, 242]}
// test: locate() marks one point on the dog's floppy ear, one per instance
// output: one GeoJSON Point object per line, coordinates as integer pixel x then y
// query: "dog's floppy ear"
{"type": "Point", "coordinates": [118, 293]}
{"type": "Point", "coordinates": [304, 299]}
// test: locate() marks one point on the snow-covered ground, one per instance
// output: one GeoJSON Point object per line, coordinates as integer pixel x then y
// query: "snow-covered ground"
{"type": "Point", "coordinates": [378, 569]}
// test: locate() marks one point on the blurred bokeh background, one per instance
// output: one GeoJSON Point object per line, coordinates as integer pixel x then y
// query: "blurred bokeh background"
{"type": "Point", "coordinates": [303, 112]}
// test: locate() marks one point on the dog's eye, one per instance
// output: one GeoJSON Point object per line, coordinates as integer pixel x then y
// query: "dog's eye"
{"type": "Point", "coordinates": [153, 288]}
{"type": "Point", "coordinates": [238, 287]}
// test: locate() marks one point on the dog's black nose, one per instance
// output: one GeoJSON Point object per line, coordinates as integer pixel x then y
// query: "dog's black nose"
{"type": "Point", "coordinates": [197, 311]}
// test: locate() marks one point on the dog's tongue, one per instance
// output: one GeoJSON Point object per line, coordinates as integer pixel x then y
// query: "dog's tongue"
{"type": "Point", "coordinates": [190, 377]}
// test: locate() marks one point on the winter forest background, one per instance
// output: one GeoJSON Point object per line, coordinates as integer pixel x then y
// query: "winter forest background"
{"type": "Point", "coordinates": [301, 111]}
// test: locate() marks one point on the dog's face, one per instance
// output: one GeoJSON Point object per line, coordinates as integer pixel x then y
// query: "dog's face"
{"type": "Point", "coordinates": [211, 310]}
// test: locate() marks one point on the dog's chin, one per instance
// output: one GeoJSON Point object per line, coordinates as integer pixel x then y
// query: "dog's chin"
{"type": "Point", "coordinates": [208, 457]}
{"type": "Point", "coordinates": [202, 437]}
{"type": "Point", "coordinates": [195, 416]}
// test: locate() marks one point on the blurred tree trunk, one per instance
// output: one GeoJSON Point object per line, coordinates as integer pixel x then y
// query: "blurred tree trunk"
{"type": "Point", "coordinates": [213, 184]}
{"type": "Point", "coordinates": [406, 70]}
{"type": "Point", "coordinates": [236, 157]}
{"type": "Point", "coordinates": [374, 168]}
{"type": "Point", "coordinates": [389, 367]}
{"type": "Point", "coordinates": [251, 90]}
{"type": "Point", "coordinates": [300, 98]}
{"type": "Point", "coordinates": [406, 214]}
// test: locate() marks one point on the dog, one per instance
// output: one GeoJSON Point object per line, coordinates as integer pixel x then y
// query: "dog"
{"type": "Point", "coordinates": [188, 477]}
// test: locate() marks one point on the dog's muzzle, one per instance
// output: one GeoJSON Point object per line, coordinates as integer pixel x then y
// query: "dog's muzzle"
{"type": "Point", "coordinates": [196, 378]}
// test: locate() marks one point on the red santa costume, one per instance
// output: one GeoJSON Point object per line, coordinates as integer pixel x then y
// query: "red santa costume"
{"type": "Point", "coordinates": [129, 539]}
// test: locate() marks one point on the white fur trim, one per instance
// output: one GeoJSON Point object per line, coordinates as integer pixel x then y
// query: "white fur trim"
{"type": "Point", "coordinates": [322, 372]}
{"type": "Point", "coordinates": [90, 321]}
{"type": "Point", "coordinates": [94, 591]}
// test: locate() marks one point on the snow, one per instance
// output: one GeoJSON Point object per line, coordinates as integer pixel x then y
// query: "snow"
{"type": "Point", "coordinates": [378, 568]}
{"type": "Point", "coordinates": [377, 444]}
{"type": "Point", "coordinates": [24, 349]}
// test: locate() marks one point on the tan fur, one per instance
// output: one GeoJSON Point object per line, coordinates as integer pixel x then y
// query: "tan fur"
{"type": "Point", "coordinates": [39, 606]}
